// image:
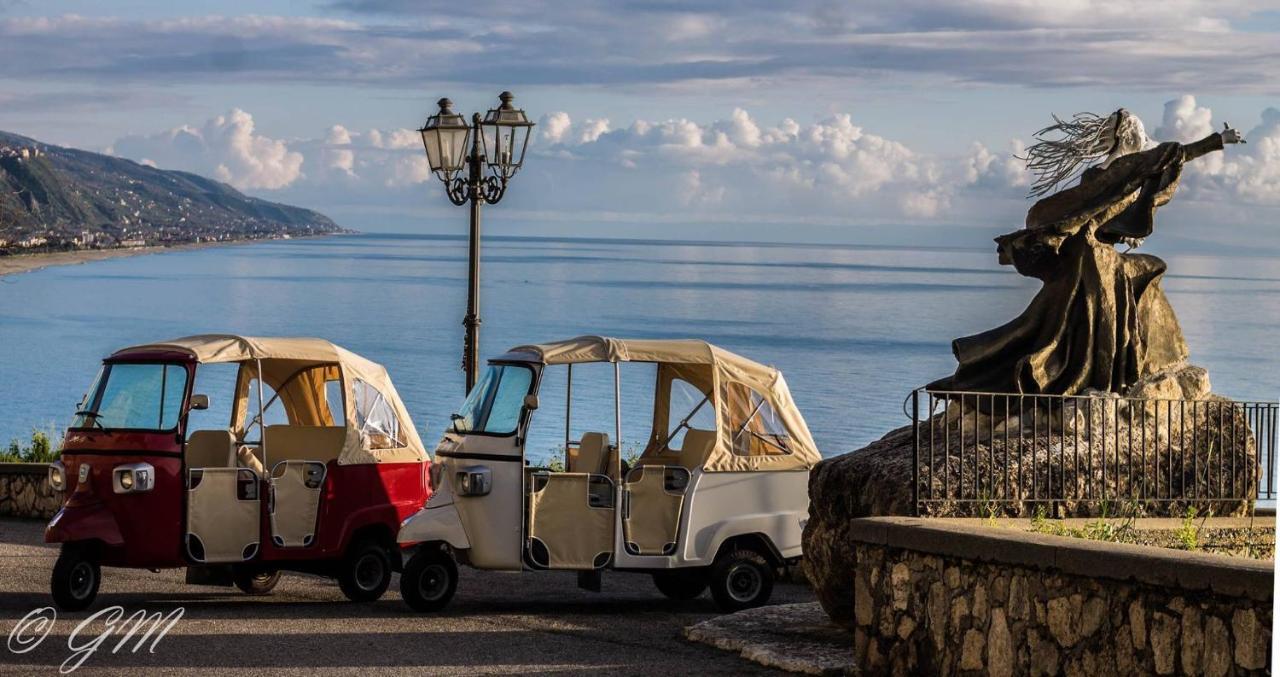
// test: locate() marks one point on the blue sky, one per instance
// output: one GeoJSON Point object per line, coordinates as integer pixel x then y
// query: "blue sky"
{"type": "Point", "coordinates": [830, 121]}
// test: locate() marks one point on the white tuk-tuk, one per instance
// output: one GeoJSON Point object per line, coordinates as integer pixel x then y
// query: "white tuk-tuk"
{"type": "Point", "coordinates": [717, 497]}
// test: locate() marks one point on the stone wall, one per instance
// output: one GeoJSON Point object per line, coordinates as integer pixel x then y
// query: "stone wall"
{"type": "Point", "coordinates": [938, 598]}
{"type": "Point", "coordinates": [25, 491]}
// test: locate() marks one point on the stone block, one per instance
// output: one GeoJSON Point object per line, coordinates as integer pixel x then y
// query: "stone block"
{"type": "Point", "coordinates": [971, 652]}
{"type": "Point", "coordinates": [1164, 642]}
{"type": "Point", "coordinates": [1217, 648]}
{"type": "Point", "coordinates": [1251, 638]}
{"type": "Point", "coordinates": [999, 646]}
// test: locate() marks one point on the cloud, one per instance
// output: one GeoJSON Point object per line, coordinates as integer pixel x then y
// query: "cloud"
{"type": "Point", "coordinates": [730, 170]}
{"type": "Point", "coordinates": [1130, 44]}
{"type": "Point", "coordinates": [225, 147]}
{"type": "Point", "coordinates": [1248, 173]}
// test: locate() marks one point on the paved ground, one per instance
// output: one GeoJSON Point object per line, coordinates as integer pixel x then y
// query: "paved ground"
{"type": "Point", "coordinates": [498, 623]}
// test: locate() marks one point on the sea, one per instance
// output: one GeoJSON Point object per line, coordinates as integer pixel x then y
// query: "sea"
{"type": "Point", "coordinates": [854, 329]}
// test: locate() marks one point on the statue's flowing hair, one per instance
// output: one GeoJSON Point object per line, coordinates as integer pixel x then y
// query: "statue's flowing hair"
{"type": "Point", "coordinates": [1062, 150]}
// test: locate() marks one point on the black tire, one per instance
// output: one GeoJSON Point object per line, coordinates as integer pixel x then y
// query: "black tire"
{"type": "Point", "coordinates": [681, 584]}
{"type": "Point", "coordinates": [365, 572]}
{"type": "Point", "coordinates": [429, 580]}
{"type": "Point", "coordinates": [75, 579]}
{"type": "Point", "coordinates": [741, 579]}
{"type": "Point", "coordinates": [254, 580]}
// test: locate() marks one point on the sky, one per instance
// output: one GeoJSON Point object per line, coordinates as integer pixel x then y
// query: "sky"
{"type": "Point", "coordinates": [852, 122]}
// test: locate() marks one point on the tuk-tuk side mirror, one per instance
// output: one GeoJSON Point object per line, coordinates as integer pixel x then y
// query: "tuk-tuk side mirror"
{"type": "Point", "coordinates": [531, 402]}
{"type": "Point", "coordinates": [199, 402]}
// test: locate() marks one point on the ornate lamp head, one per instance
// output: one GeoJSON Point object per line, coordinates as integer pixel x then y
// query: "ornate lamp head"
{"type": "Point", "coordinates": [505, 135]}
{"type": "Point", "coordinates": [445, 135]}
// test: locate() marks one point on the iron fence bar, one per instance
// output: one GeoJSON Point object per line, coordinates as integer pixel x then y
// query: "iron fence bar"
{"type": "Point", "coordinates": [1075, 447]}
{"type": "Point", "coordinates": [1222, 454]}
{"type": "Point", "coordinates": [1006, 447]}
{"type": "Point", "coordinates": [991, 447]}
{"type": "Point", "coordinates": [915, 451]}
{"type": "Point", "coordinates": [933, 444]}
{"type": "Point", "coordinates": [1129, 452]}
{"type": "Point", "coordinates": [1182, 441]}
{"type": "Point", "coordinates": [1234, 450]}
{"type": "Point", "coordinates": [1196, 485]}
{"type": "Point", "coordinates": [946, 452]}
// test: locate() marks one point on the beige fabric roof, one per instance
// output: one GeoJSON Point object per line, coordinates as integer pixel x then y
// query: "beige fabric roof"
{"type": "Point", "coordinates": [212, 348]}
{"type": "Point", "coordinates": [724, 368]}
{"type": "Point", "coordinates": [222, 348]}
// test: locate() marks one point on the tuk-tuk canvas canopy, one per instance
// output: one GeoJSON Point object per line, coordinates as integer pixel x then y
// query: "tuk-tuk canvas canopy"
{"type": "Point", "coordinates": [727, 378]}
{"type": "Point", "coordinates": [284, 361]}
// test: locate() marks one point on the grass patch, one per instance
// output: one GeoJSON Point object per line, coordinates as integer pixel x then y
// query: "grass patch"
{"type": "Point", "coordinates": [42, 448]}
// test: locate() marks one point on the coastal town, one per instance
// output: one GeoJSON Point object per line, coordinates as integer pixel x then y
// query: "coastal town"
{"type": "Point", "coordinates": [64, 200]}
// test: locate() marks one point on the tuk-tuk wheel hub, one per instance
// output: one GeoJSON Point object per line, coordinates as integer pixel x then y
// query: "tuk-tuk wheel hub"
{"type": "Point", "coordinates": [744, 582]}
{"type": "Point", "coordinates": [369, 572]}
{"type": "Point", "coordinates": [434, 582]}
{"type": "Point", "coordinates": [81, 580]}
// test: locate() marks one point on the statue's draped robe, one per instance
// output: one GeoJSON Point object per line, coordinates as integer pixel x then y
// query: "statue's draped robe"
{"type": "Point", "coordinates": [1101, 320]}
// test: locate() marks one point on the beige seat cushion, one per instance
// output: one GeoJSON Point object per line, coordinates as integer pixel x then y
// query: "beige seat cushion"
{"type": "Point", "coordinates": [653, 518]}
{"type": "Point", "coordinates": [693, 452]}
{"type": "Point", "coordinates": [593, 455]}
{"type": "Point", "coordinates": [210, 449]}
{"type": "Point", "coordinates": [560, 516]}
{"type": "Point", "coordinates": [304, 443]}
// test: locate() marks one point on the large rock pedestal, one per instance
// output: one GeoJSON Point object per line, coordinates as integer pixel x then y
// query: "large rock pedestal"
{"type": "Point", "coordinates": [1096, 456]}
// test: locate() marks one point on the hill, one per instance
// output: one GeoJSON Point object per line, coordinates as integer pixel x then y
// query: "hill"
{"type": "Point", "coordinates": [60, 198]}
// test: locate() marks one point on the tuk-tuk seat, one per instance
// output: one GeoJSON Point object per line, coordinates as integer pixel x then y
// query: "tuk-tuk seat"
{"type": "Point", "coordinates": [693, 451]}
{"type": "Point", "coordinates": [211, 449]}
{"type": "Point", "coordinates": [304, 442]}
{"type": "Point", "coordinates": [593, 456]}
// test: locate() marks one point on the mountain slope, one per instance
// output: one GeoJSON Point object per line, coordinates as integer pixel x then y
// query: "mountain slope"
{"type": "Point", "coordinates": [72, 197]}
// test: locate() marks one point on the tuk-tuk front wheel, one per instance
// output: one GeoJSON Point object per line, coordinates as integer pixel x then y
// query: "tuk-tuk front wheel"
{"type": "Point", "coordinates": [741, 579]}
{"type": "Point", "coordinates": [75, 580]}
{"type": "Point", "coordinates": [365, 572]}
{"type": "Point", "coordinates": [429, 580]}
{"type": "Point", "coordinates": [255, 581]}
{"type": "Point", "coordinates": [681, 584]}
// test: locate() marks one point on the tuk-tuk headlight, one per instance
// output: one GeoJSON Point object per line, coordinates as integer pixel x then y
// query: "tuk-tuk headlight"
{"type": "Point", "coordinates": [133, 478]}
{"type": "Point", "coordinates": [57, 476]}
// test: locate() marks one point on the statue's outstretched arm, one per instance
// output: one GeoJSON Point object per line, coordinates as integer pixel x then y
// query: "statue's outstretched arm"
{"type": "Point", "coordinates": [1215, 141]}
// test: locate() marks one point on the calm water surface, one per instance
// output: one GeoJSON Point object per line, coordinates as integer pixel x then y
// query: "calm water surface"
{"type": "Point", "coordinates": [854, 329]}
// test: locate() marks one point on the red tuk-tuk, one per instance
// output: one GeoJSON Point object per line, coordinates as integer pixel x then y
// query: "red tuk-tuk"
{"type": "Point", "coordinates": [309, 464]}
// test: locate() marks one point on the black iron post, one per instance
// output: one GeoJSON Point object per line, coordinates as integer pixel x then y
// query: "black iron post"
{"type": "Point", "coordinates": [471, 340]}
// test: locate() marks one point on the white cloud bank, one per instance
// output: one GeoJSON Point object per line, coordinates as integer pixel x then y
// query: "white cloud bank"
{"type": "Point", "coordinates": [733, 169]}
{"type": "Point", "coordinates": [225, 147]}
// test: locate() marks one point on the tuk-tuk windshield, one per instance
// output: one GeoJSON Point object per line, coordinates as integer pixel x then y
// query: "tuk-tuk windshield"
{"type": "Point", "coordinates": [129, 396]}
{"type": "Point", "coordinates": [493, 407]}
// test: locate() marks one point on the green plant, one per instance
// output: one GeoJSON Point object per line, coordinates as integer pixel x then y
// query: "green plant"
{"type": "Point", "coordinates": [1188, 533]}
{"type": "Point", "coordinates": [43, 448]}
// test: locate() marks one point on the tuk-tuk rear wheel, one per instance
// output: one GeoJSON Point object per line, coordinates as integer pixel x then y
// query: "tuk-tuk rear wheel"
{"type": "Point", "coordinates": [365, 572]}
{"type": "Point", "coordinates": [429, 580]}
{"type": "Point", "coordinates": [75, 579]}
{"type": "Point", "coordinates": [255, 581]}
{"type": "Point", "coordinates": [741, 579]}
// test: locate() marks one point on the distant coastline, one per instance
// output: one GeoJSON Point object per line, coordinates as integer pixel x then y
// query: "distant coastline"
{"type": "Point", "coordinates": [16, 264]}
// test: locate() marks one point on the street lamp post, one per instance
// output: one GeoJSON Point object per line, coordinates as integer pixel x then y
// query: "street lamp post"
{"type": "Point", "coordinates": [497, 144]}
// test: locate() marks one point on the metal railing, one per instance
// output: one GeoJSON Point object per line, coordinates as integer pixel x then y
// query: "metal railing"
{"type": "Point", "coordinates": [984, 454]}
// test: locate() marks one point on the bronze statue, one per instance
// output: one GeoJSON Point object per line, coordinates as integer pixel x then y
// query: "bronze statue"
{"type": "Point", "coordinates": [1101, 320]}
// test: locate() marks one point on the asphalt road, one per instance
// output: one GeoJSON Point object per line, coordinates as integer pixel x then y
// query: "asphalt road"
{"type": "Point", "coordinates": [497, 623]}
